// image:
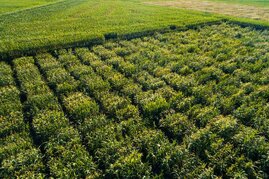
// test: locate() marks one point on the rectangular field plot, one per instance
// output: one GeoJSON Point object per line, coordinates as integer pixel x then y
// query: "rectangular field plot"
{"type": "Point", "coordinates": [247, 9]}
{"type": "Point", "coordinates": [183, 104]}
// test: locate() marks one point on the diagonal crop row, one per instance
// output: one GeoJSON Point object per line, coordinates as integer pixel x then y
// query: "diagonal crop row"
{"type": "Point", "coordinates": [211, 79]}
{"type": "Point", "coordinates": [189, 106]}
{"type": "Point", "coordinates": [81, 108]}
{"type": "Point", "coordinates": [197, 103]}
{"type": "Point", "coordinates": [100, 134]}
{"type": "Point", "coordinates": [157, 92]}
{"type": "Point", "coordinates": [64, 153]}
{"type": "Point", "coordinates": [19, 157]}
{"type": "Point", "coordinates": [151, 149]}
{"type": "Point", "coordinates": [104, 137]}
{"type": "Point", "coordinates": [176, 124]}
{"type": "Point", "coordinates": [153, 103]}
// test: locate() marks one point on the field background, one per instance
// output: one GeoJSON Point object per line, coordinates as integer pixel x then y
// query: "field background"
{"type": "Point", "coordinates": [30, 25]}
{"type": "Point", "coordinates": [261, 3]}
{"type": "Point", "coordinates": [76, 20]}
{"type": "Point", "coordinates": [7, 6]}
{"type": "Point", "coordinates": [241, 9]}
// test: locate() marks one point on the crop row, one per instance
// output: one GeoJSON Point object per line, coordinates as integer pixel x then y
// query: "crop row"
{"type": "Point", "coordinates": [19, 157]}
{"type": "Point", "coordinates": [222, 83]}
{"type": "Point", "coordinates": [129, 131]}
{"type": "Point", "coordinates": [64, 154]}
{"type": "Point", "coordinates": [184, 104]}
{"type": "Point", "coordinates": [207, 91]}
{"type": "Point", "coordinates": [178, 125]}
{"type": "Point", "coordinates": [98, 132]}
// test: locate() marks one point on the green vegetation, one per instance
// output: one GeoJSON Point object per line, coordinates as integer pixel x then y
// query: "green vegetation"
{"type": "Point", "coordinates": [226, 9]}
{"type": "Point", "coordinates": [49, 24]}
{"type": "Point", "coordinates": [261, 3]}
{"type": "Point", "coordinates": [19, 155]}
{"type": "Point", "coordinates": [60, 142]}
{"type": "Point", "coordinates": [30, 26]}
{"type": "Point", "coordinates": [82, 21]}
{"type": "Point", "coordinates": [7, 6]}
{"type": "Point", "coordinates": [179, 104]}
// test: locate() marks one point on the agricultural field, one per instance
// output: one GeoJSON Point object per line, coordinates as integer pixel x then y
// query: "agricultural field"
{"type": "Point", "coordinates": [258, 10]}
{"type": "Point", "coordinates": [28, 26]}
{"type": "Point", "coordinates": [181, 104]}
{"type": "Point", "coordinates": [8, 6]}
{"type": "Point", "coordinates": [79, 22]}
{"type": "Point", "coordinates": [259, 3]}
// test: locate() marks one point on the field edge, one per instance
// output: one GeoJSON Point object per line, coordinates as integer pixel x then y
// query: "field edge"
{"type": "Point", "coordinates": [101, 39]}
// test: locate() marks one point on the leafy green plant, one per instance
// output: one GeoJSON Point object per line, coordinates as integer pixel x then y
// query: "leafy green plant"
{"type": "Point", "coordinates": [80, 106]}
{"type": "Point", "coordinates": [103, 52]}
{"type": "Point", "coordinates": [177, 126]}
{"type": "Point", "coordinates": [112, 102]}
{"type": "Point", "coordinates": [6, 75]}
{"type": "Point", "coordinates": [152, 104]}
{"type": "Point", "coordinates": [86, 56]}
{"type": "Point", "coordinates": [37, 103]}
{"type": "Point", "coordinates": [129, 166]}
{"type": "Point", "coordinates": [9, 100]}
{"type": "Point", "coordinates": [80, 70]}
{"type": "Point", "coordinates": [94, 83]}
{"type": "Point", "coordinates": [12, 123]}
{"type": "Point", "coordinates": [68, 158]}
{"type": "Point", "coordinates": [14, 143]}
{"type": "Point", "coordinates": [47, 124]}
{"type": "Point", "coordinates": [148, 81]}
{"type": "Point", "coordinates": [23, 164]}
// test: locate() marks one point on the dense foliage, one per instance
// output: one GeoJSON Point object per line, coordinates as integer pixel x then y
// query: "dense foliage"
{"type": "Point", "coordinates": [191, 104]}
{"type": "Point", "coordinates": [64, 23]}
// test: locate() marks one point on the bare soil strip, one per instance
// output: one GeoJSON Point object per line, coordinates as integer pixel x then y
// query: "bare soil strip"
{"type": "Point", "coordinates": [237, 10]}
